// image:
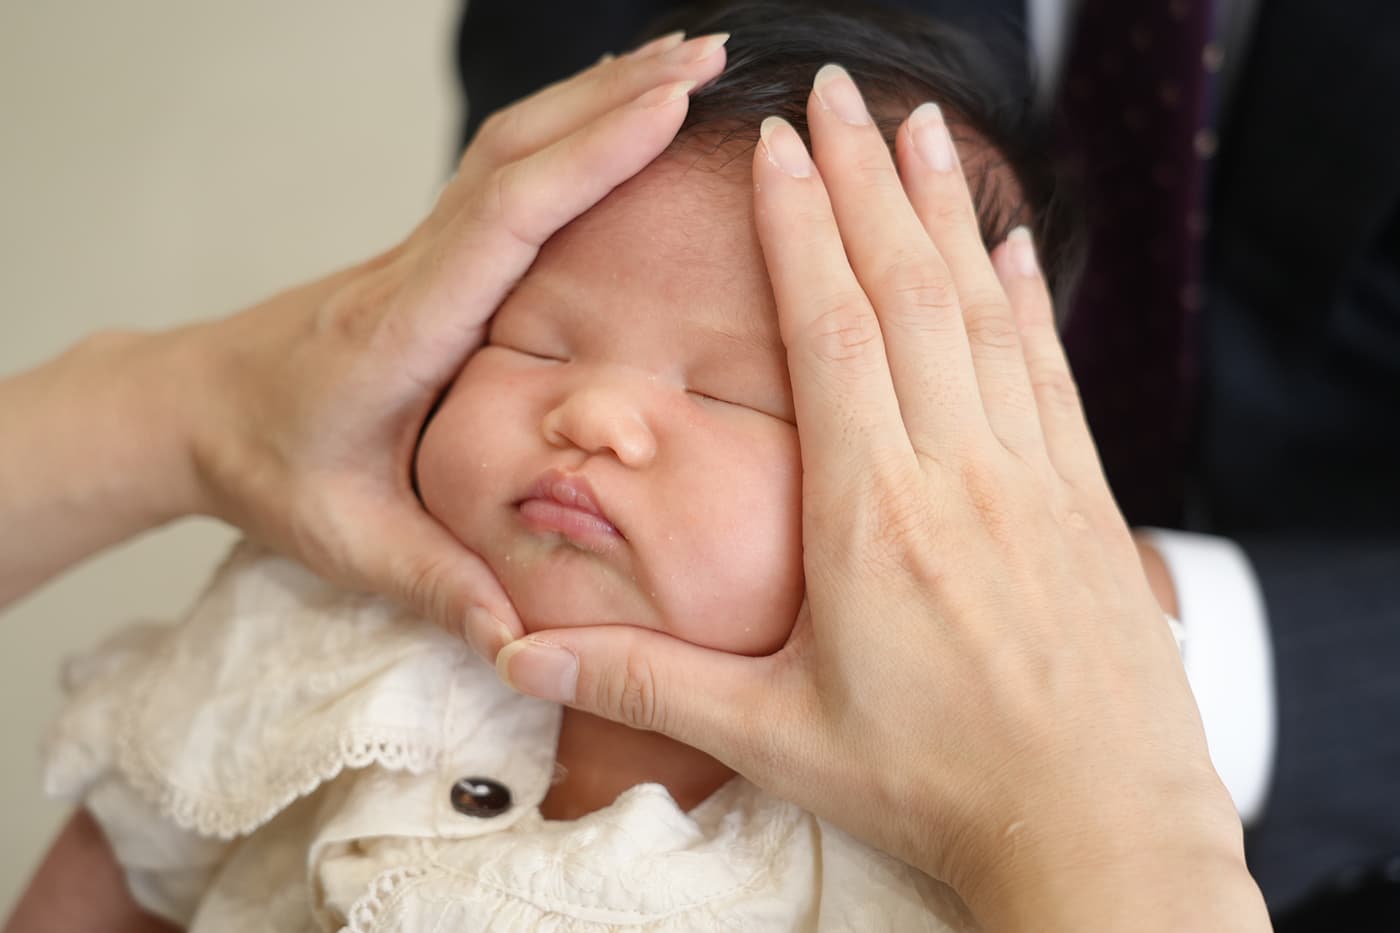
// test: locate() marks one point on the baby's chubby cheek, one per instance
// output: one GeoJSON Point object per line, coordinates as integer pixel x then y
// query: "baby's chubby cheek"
{"type": "Point", "coordinates": [740, 579]}
{"type": "Point", "coordinates": [743, 613]}
{"type": "Point", "coordinates": [469, 466]}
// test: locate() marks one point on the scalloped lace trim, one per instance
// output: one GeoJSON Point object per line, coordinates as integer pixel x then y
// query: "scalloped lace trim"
{"type": "Point", "coordinates": [227, 819]}
{"type": "Point", "coordinates": [365, 912]}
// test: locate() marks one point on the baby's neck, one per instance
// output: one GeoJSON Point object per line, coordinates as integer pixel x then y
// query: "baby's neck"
{"type": "Point", "coordinates": [601, 759]}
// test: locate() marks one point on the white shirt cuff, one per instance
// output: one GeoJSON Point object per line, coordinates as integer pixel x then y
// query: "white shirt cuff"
{"type": "Point", "coordinates": [1228, 658]}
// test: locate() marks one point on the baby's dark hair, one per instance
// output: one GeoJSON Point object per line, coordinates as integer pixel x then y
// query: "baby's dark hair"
{"type": "Point", "coordinates": [899, 60]}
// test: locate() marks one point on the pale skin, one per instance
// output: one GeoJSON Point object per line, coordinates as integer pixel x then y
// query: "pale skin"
{"type": "Point", "coordinates": [1048, 635]}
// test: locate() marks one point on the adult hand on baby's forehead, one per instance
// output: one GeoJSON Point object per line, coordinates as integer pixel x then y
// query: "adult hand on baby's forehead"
{"type": "Point", "coordinates": [315, 399]}
{"type": "Point", "coordinates": [980, 681]}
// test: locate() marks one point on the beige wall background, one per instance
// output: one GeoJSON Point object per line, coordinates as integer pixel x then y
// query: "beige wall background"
{"type": "Point", "coordinates": [163, 162]}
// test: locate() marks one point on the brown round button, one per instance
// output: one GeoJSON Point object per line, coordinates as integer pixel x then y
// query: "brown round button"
{"type": "Point", "coordinates": [478, 796]}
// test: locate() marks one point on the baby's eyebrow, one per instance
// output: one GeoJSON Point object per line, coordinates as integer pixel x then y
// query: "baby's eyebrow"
{"type": "Point", "coordinates": [754, 337]}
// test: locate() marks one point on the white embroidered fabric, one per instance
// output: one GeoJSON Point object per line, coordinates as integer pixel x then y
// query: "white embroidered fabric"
{"type": "Point", "coordinates": [282, 760]}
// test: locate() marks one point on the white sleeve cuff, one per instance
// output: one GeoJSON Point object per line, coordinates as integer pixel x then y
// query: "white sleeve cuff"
{"type": "Point", "coordinates": [1228, 658]}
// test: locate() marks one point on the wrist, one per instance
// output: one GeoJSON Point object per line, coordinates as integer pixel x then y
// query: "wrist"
{"type": "Point", "coordinates": [1159, 575]}
{"type": "Point", "coordinates": [1179, 867]}
{"type": "Point", "coordinates": [1152, 890]}
{"type": "Point", "coordinates": [143, 389]}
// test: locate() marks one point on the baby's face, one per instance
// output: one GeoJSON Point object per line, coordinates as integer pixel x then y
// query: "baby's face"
{"type": "Point", "coordinates": [622, 450]}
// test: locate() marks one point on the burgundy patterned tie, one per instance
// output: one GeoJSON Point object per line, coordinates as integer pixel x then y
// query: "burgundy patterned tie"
{"type": "Point", "coordinates": [1137, 108]}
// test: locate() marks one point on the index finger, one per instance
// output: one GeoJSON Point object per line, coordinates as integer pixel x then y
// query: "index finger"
{"type": "Point", "coordinates": [841, 385]}
{"type": "Point", "coordinates": [554, 112]}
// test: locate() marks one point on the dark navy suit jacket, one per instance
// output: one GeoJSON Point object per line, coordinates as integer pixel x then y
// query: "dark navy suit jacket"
{"type": "Point", "coordinates": [1298, 443]}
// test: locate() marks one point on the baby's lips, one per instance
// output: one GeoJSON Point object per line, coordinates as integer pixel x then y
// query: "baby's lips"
{"type": "Point", "coordinates": [567, 489]}
{"type": "Point", "coordinates": [567, 504]}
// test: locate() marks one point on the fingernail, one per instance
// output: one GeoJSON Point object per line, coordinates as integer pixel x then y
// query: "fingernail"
{"type": "Point", "coordinates": [784, 148]}
{"type": "Point", "coordinates": [539, 669]}
{"type": "Point", "coordinates": [696, 50]}
{"type": "Point", "coordinates": [660, 44]}
{"type": "Point", "coordinates": [605, 58]}
{"type": "Point", "coordinates": [1023, 252]}
{"type": "Point", "coordinates": [486, 634]}
{"type": "Point", "coordinates": [931, 139]}
{"type": "Point", "coordinates": [665, 94]}
{"type": "Point", "coordinates": [838, 93]}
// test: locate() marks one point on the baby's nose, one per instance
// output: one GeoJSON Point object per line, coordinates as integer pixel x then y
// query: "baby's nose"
{"type": "Point", "coordinates": [596, 419]}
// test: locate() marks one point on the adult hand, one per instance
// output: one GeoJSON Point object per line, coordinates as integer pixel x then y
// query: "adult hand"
{"type": "Point", "coordinates": [297, 419]}
{"type": "Point", "coordinates": [980, 681]}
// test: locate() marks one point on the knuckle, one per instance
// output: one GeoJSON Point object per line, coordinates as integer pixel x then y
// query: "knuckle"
{"type": "Point", "coordinates": [895, 530]}
{"type": "Point", "coordinates": [628, 692]}
{"type": "Point", "coordinates": [637, 703]}
{"type": "Point", "coordinates": [624, 78]}
{"type": "Point", "coordinates": [875, 171]}
{"type": "Point", "coordinates": [496, 137]}
{"type": "Point", "coordinates": [510, 201]}
{"type": "Point", "coordinates": [362, 311]}
{"type": "Point", "coordinates": [987, 493]}
{"type": "Point", "coordinates": [950, 212]}
{"type": "Point", "coordinates": [883, 508]}
{"type": "Point", "coordinates": [989, 327]}
{"type": "Point", "coordinates": [1009, 393]}
{"type": "Point", "coordinates": [1038, 333]}
{"type": "Point", "coordinates": [345, 316]}
{"type": "Point", "coordinates": [421, 587]}
{"type": "Point", "coordinates": [900, 517]}
{"type": "Point", "coordinates": [920, 285]}
{"type": "Point", "coordinates": [1054, 387]}
{"type": "Point", "coordinates": [845, 331]}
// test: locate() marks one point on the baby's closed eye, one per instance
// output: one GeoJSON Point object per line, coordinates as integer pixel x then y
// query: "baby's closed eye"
{"type": "Point", "coordinates": [538, 342]}
{"type": "Point", "coordinates": [741, 402]}
{"type": "Point", "coordinates": [546, 355]}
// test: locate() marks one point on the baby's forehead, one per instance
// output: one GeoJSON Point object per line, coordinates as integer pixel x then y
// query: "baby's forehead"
{"type": "Point", "coordinates": [693, 209]}
{"type": "Point", "coordinates": [678, 237]}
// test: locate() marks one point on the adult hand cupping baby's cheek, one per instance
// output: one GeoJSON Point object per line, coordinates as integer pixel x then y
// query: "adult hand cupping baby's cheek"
{"type": "Point", "coordinates": [304, 411]}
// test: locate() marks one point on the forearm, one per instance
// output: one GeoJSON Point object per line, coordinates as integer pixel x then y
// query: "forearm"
{"type": "Point", "coordinates": [79, 887]}
{"type": "Point", "coordinates": [95, 452]}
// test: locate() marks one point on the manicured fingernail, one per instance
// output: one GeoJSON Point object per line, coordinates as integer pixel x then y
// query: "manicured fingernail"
{"type": "Point", "coordinates": [931, 139]}
{"type": "Point", "coordinates": [696, 50]}
{"type": "Point", "coordinates": [539, 669]}
{"type": "Point", "coordinates": [784, 148]}
{"type": "Point", "coordinates": [605, 58]}
{"type": "Point", "coordinates": [838, 93]}
{"type": "Point", "coordinates": [1023, 252]}
{"type": "Point", "coordinates": [665, 94]}
{"type": "Point", "coordinates": [486, 634]}
{"type": "Point", "coordinates": [660, 44]}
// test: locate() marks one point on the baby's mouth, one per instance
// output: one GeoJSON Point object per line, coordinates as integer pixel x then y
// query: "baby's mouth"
{"type": "Point", "coordinates": [566, 505]}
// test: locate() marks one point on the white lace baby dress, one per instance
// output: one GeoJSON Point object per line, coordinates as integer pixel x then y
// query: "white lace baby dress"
{"type": "Point", "coordinates": [285, 759]}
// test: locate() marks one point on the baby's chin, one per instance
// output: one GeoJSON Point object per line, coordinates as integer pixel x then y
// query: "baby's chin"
{"type": "Point", "coordinates": [553, 586]}
{"type": "Point", "coordinates": [569, 593]}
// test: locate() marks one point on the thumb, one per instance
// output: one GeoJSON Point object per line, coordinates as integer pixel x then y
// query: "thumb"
{"type": "Point", "coordinates": [643, 679]}
{"type": "Point", "coordinates": [415, 561]}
